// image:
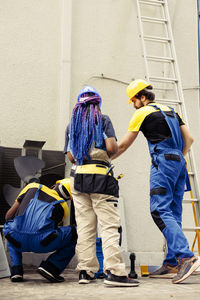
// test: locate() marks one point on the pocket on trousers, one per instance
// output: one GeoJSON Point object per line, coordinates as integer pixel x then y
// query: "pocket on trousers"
{"type": "Point", "coordinates": [49, 238]}
{"type": "Point", "coordinates": [174, 157]}
{"type": "Point", "coordinates": [158, 191]}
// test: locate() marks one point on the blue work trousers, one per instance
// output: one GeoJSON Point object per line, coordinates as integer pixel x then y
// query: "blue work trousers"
{"type": "Point", "coordinates": [63, 245]}
{"type": "Point", "coordinates": [167, 182]}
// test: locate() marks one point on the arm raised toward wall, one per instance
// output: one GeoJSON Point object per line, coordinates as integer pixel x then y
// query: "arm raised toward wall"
{"type": "Point", "coordinates": [125, 143]}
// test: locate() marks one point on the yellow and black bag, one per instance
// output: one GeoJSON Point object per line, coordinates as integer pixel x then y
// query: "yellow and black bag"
{"type": "Point", "coordinates": [96, 177]}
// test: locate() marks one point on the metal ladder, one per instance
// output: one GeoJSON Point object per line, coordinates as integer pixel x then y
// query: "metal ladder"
{"type": "Point", "coordinates": [163, 72]}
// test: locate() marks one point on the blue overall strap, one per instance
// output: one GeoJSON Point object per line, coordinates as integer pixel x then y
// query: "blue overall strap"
{"type": "Point", "coordinates": [37, 192]}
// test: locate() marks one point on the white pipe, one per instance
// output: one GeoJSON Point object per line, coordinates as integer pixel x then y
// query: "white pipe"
{"type": "Point", "coordinates": [65, 70]}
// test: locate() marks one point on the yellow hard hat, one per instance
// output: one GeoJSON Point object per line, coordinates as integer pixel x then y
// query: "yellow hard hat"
{"type": "Point", "coordinates": [135, 87]}
{"type": "Point", "coordinates": [64, 188]}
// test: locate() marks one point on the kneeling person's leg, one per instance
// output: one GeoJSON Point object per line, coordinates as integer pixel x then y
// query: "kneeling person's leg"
{"type": "Point", "coordinates": [64, 247]}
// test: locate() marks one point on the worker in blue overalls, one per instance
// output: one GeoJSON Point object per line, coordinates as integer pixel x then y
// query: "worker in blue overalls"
{"type": "Point", "coordinates": [169, 140]}
{"type": "Point", "coordinates": [33, 225]}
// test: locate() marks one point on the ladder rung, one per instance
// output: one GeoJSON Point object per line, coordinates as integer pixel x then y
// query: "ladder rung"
{"type": "Point", "coordinates": [190, 200]}
{"type": "Point", "coordinates": [164, 79]}
{"type": "Point", "coordinates": [191, 228]}
{"type": "Point", "coordinates": [172, 101]}
{"type": "Point", "coordinates": [153, 20]}
{"type": "Point", "coordinates": [156, 39]}
{"type": "Point", "coordinates": [160, 58]}
{"type": "Point", "coordinates": [152, 2]}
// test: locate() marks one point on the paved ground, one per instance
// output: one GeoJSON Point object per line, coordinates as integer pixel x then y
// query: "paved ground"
{"type": "Point", "coordinates": [37, 288]}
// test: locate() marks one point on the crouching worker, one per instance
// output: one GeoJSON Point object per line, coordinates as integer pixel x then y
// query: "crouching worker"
{"type": "Point", "coordinates": [32, 225]}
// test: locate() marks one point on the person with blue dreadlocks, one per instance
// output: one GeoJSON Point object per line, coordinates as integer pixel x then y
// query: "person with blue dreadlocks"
{"type": "Point", "coordinates": [90, 144]}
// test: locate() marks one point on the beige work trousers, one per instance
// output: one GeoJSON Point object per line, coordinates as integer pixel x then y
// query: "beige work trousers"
{"type": "Point", "coordinates": [90, 209]}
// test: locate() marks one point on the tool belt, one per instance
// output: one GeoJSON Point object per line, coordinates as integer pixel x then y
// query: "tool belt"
{"type": "Point", "coordinates": [96, 177]}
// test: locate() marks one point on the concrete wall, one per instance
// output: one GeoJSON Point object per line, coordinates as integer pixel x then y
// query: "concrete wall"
{"type": "Point", "coordinates": [50, 49]}
{"type": "Point", "coordinates": [30, 71]}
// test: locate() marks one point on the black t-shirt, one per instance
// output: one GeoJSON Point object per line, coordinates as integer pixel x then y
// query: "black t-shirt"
{"type": "Point", "coordinates": [152, 123]}
{"type": "Point", "coordinates": [155, 128]}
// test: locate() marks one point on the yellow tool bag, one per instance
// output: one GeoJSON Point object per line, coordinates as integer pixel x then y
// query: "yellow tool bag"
{"type": "Point", "coordinates": [96, 177]}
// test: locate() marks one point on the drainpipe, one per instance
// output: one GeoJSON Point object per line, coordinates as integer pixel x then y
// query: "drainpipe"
{"type": "Point", "coordinates": [65, 70]}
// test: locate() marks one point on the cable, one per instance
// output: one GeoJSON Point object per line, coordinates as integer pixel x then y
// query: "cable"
{"type": "Point", "coordinates": [107, 78]}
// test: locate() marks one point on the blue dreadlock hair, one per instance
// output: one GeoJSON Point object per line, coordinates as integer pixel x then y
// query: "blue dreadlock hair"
{"type": "Point", "coordinates": [86, 128]}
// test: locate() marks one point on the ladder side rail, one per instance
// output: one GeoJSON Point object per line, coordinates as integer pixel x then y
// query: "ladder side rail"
{"type": "Point", "coordinates": [178, 88]}
{"type": "Point", "coordinates": [168, 49]}
{"type": "Point", "coordinates": [178, 85]}
{"type": "Point", "coordinates": [142, 39]}
{"type": "Point", "coordinates": [194, 179]}
{"type": "Point", "coordinates": [176, 67]}
{"type": "Point", "coordinates": [180, 93]}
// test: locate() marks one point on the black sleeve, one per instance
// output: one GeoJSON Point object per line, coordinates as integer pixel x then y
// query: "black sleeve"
{"type": "Point", "coordinates": [108, 127]}
{"type": "Point", "coordinates": [20, 198]}
{"type": "Point", "coordinates": [180, 120]}
{"type": "Point", "coordinates": [28, 190]}
{"type": "Point", "coordinates": [57, 214]}
{"type": "Point", "coordinates": [66, 139]}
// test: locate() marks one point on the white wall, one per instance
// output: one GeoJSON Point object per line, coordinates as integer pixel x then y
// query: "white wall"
{"type": "Point", "coordinates": [30, 71]}
{"type": "Point", "coordinates": [38, 56]}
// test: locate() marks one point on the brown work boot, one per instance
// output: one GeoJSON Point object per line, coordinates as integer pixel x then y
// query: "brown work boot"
{"type": "Point", "coordinates": [167, 271]}
{"type": "Point", "coordinates": [185, 268]}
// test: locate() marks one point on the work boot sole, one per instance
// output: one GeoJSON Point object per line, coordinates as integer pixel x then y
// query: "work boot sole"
{"type": "Point", "coordinates": [84, 281]}
{"type": "Point", "coordinates": [115, 283]}
{"type": "Point", "coordinates": [192, 270]}
{"type": "Point", "coordinates": [17, 278]}
{"type": "Point", "coordinates": [44, 273]}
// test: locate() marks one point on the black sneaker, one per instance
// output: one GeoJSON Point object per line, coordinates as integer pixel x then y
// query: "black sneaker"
{"type": "Point", "coordinates": [85, 278]}
{"type": "Point", "coordinates": [123, 281]}
{"type": "Point", "coordinates": [48, 271]}
{"type": "Point", "coordinates": [166, 271]}
{"type": "Point", "coordinates": [186, 267]}
{"type": "Point", "coordinates": [16, 274]}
